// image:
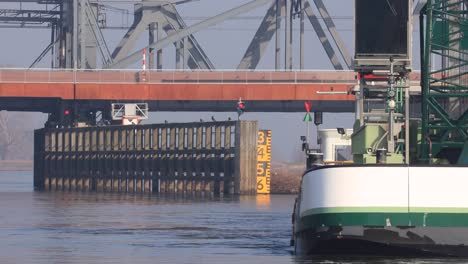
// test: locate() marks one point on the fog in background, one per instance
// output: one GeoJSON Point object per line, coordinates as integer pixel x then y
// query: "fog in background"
{"type": "Point", "coordinates": [225, 45]}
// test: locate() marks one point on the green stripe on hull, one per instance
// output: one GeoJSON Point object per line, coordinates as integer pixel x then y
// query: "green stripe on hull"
{"type": "Point", "coordinates": [329, 210]}
{"type": "Point", "coordinates": [392, 218]}
{"type": "Point", "coordinates": [335, 210]}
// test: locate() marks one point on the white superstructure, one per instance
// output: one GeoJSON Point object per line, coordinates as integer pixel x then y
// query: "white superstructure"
{"type": "Point", "coordinates": [333, 145]}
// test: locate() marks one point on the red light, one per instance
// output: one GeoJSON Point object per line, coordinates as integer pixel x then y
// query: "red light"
{"type": "Point", "coordinates": [67, 112]}
{"type": "Point", "coordinates": [241, 105]}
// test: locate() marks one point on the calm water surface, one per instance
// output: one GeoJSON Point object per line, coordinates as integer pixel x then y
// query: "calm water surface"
{"type": "Point", "coordinates": [38, 227]}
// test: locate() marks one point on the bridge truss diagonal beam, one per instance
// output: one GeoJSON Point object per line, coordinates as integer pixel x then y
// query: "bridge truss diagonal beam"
{"type": "Point", "coordinates": [43, 54]}
{"type": "Point", "coordinates": [130, 38]}
{"type": "Point", "coordinates": [334, 33]}
{"type": "Point", "coordinates": [96, 32]}
{"type": "Point", "coordinates": [198, 58]}
{"type": "Point", "coordinates": [171, 22]}
{"type": "Point", "coordinates": [132, 58]}
{"type": "Point", "coordinates": [280, 11]}
{"type": "Point", "coordinates": [260, 42]}
{"type": "Point", "coordinates": [322, 36]}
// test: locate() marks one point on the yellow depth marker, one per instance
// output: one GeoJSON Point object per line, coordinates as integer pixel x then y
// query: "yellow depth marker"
{"type": "Point", "coordinates": [263, 161]}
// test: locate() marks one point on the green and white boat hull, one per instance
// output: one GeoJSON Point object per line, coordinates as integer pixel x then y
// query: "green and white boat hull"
{"type": "Point", "coordinates": [384, 210]}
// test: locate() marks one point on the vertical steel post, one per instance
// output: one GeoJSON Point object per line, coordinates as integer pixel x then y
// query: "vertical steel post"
{"type": "Point", "coordinates": [178, 55]}
{"type": "Point", "coordinates": [82, 36]}
{"type": "Point", "coordinates": [75, 34]}
{"type": "Point", "coordinates": [453, 58]}
{"type": "Point", "coordinates": [361, 100]}
{"type": "Point", "coordinates": [301, 41]}
{"type": "Point", "coordinates": [425, 81]}
{"type": "Point", "coordinates": [151, 30]}
{"type": "Point", "coordinates": [391, 113]}
{"type": "Point", "coordinates": [279, 8]}
{"type": "Point", "coordinates": [407, 123]}
{"type": "Point", "coordinates": [159, 53]}
{"type": "Point", "coordinates": [288, 36]}
{"type": "Point", "coordinates": [52, 50]}
{"type": "Point", "coordinates": [186, 54]}
{"type": "Point", "coordinates": [288, 39]}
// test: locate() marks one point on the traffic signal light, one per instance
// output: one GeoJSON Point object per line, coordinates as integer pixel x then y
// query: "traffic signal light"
{"type": "Point", "coordinates": [240, 108]}
{"type": "Point", "coordinates": [318, 118]}
{"type": "Point", "coordinates": [67, 118]}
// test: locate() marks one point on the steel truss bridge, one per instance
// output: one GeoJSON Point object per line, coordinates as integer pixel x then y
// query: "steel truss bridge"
{"type": "Point", "coordinates": [77, 42]}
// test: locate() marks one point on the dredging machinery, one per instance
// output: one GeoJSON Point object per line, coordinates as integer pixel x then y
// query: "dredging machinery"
{"type": "Point", "coordinates": [406, 191]}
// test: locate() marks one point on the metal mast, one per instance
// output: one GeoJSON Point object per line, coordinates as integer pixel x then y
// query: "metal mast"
{"type": "Point", "coordinates": [444, 60]}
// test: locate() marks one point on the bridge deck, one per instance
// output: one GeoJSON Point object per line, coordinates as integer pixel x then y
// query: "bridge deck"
{"type": "Point", "coordinates": [32, 90]}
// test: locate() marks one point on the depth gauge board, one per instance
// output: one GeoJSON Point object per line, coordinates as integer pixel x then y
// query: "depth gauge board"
{"type": "Point", "coordinates": [263, 161]}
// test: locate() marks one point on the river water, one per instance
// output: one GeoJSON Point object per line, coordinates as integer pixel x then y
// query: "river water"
{"type": "Point", "coordinates": [39, 227]}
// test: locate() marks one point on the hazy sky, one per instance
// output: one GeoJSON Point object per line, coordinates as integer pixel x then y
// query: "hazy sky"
{"type": "Point", "coordinates": [225, 45]}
